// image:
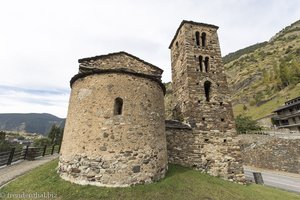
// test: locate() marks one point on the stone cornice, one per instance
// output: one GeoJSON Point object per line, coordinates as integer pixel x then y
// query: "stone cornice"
{"type": "Point", "coordinates": [117, 71]}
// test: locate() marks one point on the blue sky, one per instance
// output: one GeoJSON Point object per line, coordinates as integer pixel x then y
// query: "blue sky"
{"type": "Point", "coordinates": [41, 41]}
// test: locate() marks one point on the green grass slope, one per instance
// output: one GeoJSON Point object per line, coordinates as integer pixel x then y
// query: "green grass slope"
{"type": "Point", "coordinates": [180, 183]}
{"type": "Point", "coordinates": [263, 76]}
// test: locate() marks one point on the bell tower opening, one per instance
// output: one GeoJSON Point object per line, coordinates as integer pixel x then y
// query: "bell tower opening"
{"type": "Point", "coordinates": [197, 35]}
{"type": "Point", "coordinates": [200, 58]}
{"type": "Point", "coordinates": [206, 63]}
{"type": "Point", "coordinates": [203, 39]}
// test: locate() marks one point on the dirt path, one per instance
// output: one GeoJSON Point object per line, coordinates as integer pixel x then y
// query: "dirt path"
{"type": "Point", "coordinates": [15, 170]}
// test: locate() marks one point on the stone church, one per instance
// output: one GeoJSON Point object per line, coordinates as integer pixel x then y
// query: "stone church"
{"type": "Point", "coordinates": [116, 134]}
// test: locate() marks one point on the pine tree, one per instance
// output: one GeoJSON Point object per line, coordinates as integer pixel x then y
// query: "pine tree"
{"type": "Point", "coordinates": [55, 134]}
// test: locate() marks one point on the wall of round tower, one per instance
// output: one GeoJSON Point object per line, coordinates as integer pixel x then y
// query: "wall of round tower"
{"type": "Point", "coordinates": [115, 131]}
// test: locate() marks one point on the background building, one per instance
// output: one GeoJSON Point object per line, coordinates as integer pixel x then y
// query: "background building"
{"type": "Point", "coordinates": [288, 116]}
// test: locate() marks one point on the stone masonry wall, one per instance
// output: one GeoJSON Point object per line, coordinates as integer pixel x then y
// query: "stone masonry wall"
{"type": "Point", "coordinates": [271, 152]}
{"type": "Point", "coordinates": [104, 149]}
{"type": "Point", "coordinates": [180, 142]}
{"type": "Point", "coordinates": [202, 151]}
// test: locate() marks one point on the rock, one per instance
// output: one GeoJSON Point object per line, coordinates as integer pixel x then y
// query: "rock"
{"type": "Point", "coordinates": [82, 167]}
{"type": "Point", "coordinates": [105, 178]}
{"type": "Point", "coordinates": [105, 165]}
{"type": "Point", "coordinates": [103, 148]}
{"type": "Point", "coordinates": [127, 154]}
{"type": "Point", "coordinates": [91, 174]}
{"type": "Point", "coordinates": [75, 170]}
{"type": "Point", "coordinates": [146, 161]}
{"type": "Point", "coordinates": [105, 135]}
{"type": "Point", "coordinates": [136, 169]}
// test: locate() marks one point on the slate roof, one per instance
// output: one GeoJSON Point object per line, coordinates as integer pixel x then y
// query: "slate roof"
{"type": "Point", "coordinates": [287, 106]}
{"type": "Point", "coordinates": [176, 124]}
{"type": "Point", "coordinates": [118, 53]}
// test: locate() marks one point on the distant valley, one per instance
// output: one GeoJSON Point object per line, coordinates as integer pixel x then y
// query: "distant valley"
{"type": "Point", "coordinates": [29, 123]}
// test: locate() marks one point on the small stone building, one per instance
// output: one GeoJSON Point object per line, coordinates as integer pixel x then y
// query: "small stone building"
{"type": "Point", "coordinates": [115, 128]}
{"type": "Point", "coordinates": [116, 134]}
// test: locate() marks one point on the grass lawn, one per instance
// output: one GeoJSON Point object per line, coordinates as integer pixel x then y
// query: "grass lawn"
{"type": "Point", "coordinates": [180, 183]}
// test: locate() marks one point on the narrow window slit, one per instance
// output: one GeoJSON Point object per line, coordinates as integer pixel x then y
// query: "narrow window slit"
{"type": "Point", "coordinates": [207, 86]}
{"type": "Point", "coordinates": [118, 109]}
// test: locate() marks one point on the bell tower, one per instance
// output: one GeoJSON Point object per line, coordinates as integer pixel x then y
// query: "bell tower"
{"type": "Point", "coordinates": [199, 82]}
{"type": "Point", "coordinates": [202, 100]}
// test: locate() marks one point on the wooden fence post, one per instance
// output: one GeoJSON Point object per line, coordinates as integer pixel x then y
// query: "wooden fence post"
{"type": "Point", "coordinates": [44, 150]}
{"type": "Point", "coordinates": [26, 152]}
{"type": "Point", "coordinates": [258, 178]}
{"type": "Point", "coordinates": [52, 150]}
{"type": "Point", "coordinates": [11, 155]}
{"type": "Point", "coordinates": [59, 148]}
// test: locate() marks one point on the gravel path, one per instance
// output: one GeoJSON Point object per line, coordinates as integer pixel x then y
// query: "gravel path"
{"type": "Point", "coordinates": [15, 170]}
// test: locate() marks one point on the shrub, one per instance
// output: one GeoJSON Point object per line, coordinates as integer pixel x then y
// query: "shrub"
{"type": "Point", "coordinates": [245, 124]}
{"type": "Point", "coordinates": [42, 142]}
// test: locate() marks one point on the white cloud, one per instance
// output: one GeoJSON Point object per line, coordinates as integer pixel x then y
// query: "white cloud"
{"type": "Point", "coordinates": [23, 100]}
{"type": "Point", "coordinates": [41, 41]}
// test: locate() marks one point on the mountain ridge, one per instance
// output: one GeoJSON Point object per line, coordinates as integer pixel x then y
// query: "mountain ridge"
{"type": "Point", "coordinates": [39, 123]}
{"type": "Point", "coordinates": [265, 75]}
{"type": "Point", "coordinates": [261, 77]}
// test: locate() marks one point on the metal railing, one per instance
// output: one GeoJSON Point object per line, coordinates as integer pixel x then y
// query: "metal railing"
{"type": "Point", "coordinates": [28, 153]}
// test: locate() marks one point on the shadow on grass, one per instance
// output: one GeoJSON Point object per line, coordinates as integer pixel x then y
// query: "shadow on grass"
{"type": "Point", "coordinates": [176, 170]}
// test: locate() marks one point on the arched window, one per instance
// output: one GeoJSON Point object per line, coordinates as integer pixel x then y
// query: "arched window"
{"type": "Point", "coordinates": [203, 39]}
{"type": "Point", "coordinates": [118, 108]}
{"type": "Point", "coordinates": [197, 35]}
{"type": "Point", "coordinates": [200, 63]}
{"type": "Point", "coordinates": [207, 85]}
{"type": "Point", "coordinates": [206, 64]}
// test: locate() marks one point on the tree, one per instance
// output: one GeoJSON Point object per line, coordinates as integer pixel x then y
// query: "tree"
{"type": "Point", "coordinates": [21, 138]}
{"type": "Point", "coordinates": [284, 75]}
{"type": "Point", "coordinates": [5, 146]}
{"type": "Point", "coordinates": [55, 134]}
{"type": "Point", "coordinates": [246, 123]}
{"type": "Point", "coordinates": [258, 97]}
{"type": "Point", "coordinates": [2, 135]}
{"type": "Point", "coordinates": [42, 142]}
